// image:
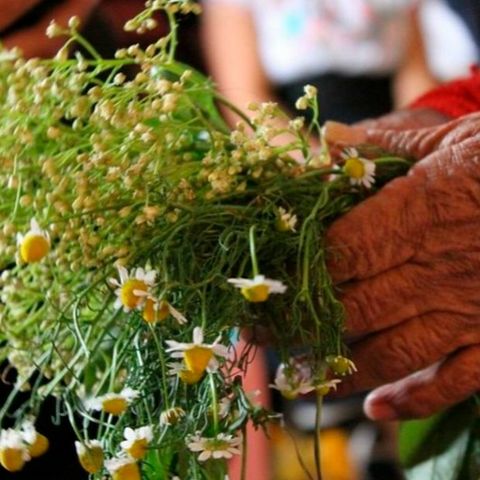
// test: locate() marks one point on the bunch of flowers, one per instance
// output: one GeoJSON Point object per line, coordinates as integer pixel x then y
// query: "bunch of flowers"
{"type": "Point", "coordinates": [138, 232]}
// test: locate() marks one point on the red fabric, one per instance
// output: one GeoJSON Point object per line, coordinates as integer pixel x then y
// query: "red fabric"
{"type": "Point", "coordinates": [454, 99]}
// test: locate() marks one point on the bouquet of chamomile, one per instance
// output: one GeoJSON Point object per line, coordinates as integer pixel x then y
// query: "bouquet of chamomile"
{"type": "Point", "coordinates": [139, 233]}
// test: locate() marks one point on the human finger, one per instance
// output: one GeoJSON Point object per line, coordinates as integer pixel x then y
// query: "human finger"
{"type": "Point", "coordinates": [440, 276]}
{"type": "Point", "coordinates": [406, 348]}
{"type": "Point", "coordinates": [429, 390]}
{"type": "Point", "coordinates": [388, 229]}
{"type": "Point", "coordinates": [413, 143]}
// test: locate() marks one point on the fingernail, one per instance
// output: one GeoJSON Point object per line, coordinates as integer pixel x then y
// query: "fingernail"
{"type": "Point", "coordinates": [380, 410]}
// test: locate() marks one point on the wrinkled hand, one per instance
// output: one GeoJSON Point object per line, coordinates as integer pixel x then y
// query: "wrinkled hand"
{"type": "Point", "coordinates": [407, 263]}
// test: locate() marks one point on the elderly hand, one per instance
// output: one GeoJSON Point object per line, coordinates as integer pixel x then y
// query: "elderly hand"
{"type": "Point", "coordinates": [407, 263]}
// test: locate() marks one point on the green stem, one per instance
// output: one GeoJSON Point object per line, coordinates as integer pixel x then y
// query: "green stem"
{"type": "Point", "coordinates": [253, 253]}
{"type": "Point", "coordinates": [317, 451]}
{"type": "Point", "coordinates": [213, 390]}
{"type": "Point", "coordinates": [243, 472]}
{"type": "Point", "coordinates": [162, 365]}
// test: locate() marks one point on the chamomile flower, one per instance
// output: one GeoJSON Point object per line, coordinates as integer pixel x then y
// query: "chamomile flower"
{"type": "Point", "coordinates": [123, 468]}
{"type": "Point", "coordinates": [113, 403]}
{"type": "Point", "coordinates": [171, 416]}
{"type": "Point", "coordinates": [134, 288]}
{"type": "Point", "coordinates": [198, 356]}
{"type": "Point", "coordinates": [186, 376]}
{"type": "Point", "coordinates": [323, 388]}
{"type": "Point", "coordinates": [257, 289]}
{"type": "Point", "coordinates": [137, 441]}
{"type": "Point", "coordinates": [158, 310]}
{"type": "Point", "coordinates": [90, 455]}
{"type": "Point", "coordinates": [360, 170]}
{"type": "Point", "coordinates": [341, 365]}
{"type": "Point", "coordinates": [220, 446]}
{"type": "Point", "coordinates": [286, 221]}
{"type": "Point", "coordinates": [37, 444]}
{"type": "Point", "coordinates": [13, 450]}
{"type": "Point", "coordinates": [292, 380]}
{"type": "Point", "coordinates": [34, 245]}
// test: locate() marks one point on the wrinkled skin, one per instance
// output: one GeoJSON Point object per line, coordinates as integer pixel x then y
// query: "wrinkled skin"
{"type": "Point", "coordinates": [407, 264]}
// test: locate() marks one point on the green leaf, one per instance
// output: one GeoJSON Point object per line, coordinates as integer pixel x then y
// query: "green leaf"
{"type": "Point", "coordinates": [435, 448]}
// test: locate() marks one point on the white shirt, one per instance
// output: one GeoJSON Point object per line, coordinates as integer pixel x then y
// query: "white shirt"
{"type": "Point", "coordinates": [300, 38]}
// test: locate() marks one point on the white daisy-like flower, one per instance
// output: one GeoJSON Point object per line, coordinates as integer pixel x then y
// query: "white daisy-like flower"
{"type": "Point", "coordinates": [13, 450]}
{"type": "Point", "coordinates": [186, 376]}
{"type": "Point", "coordinates": [137, 441]}
{"type": "Point", "coordinates": [198, 356]}
{"type": "Point", "coordinates": [220, 446]}
{"type": "Point", "coordinates": [293, 379]}
{"type": "Point", "coordinates": [259, 288]}
{"type": "Point", "coordinates": [171, 416]}
{"type": "Point", "coordinates": [134, 288]}
{"type": "Point", "coordinates": [286, 221]}
{"type": "Point", "coordinates": [158, 310]}
{"type": "Point", "coordinates": [113, 403]}
{"type": "Point", "coordinates": [34, 245]}
{"type": "Point", "coordinates": [123, 468]}
{"type": "Point", "coordinates": [37, 443]}
{"type": "Point", "coordinates": [90, 455]}
{"type": "Point", "coordinates": [361, 171]}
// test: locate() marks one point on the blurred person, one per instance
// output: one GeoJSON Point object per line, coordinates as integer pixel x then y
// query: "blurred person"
{"type": "Point", "coordinates": [349, 49]}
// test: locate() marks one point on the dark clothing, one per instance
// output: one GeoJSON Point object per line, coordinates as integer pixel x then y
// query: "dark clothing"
{"type": "Point", "coordinates": [346, 99]}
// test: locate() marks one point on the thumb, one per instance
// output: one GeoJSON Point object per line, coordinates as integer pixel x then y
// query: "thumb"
{"type": "Point", "coordinates": [413, 143]}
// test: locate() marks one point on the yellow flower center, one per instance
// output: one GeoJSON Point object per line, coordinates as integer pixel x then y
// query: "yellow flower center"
{"type": "Point", "coordinates": [340, 365]}
{"type": "Point", "coordinates": [354, 168]}
{"type": "Point", "coordinates": [323, 390]}
{"type": "Point", "coordinates": [33, 248]}
{"type": "Point", "coordinates": [115, 405]}
{"type": "Point", "coordinates": [127, 294]}
{"type": "Point", "coordinates": [39, 446]}
{"type": "Point", "coordinates": [158, 314]}
{"type": "Point", "coordinates": [282, 225]}
{"type": "Point", "coordinates": [92, 459]}
{"type": "Point", "coordinates": [130, 471]}
{"type": "Point", "coordinates": [138, 449]}
{"type": "Point", "coordinates": [12, 459]}
{"type": "Point", "coordinates": [197, 358]}
{"type": "Point", "coordinates": [189, 377]}
{"type": "Point", "coordinates": [289, 394]}
{"type": "Point", "coordinates": [173, 415]}
{"type": "Point", "coordinates": [257, 293]}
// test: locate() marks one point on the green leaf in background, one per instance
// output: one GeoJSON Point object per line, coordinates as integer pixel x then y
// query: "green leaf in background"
{"type": "Point", "coordinates": [436, 448]}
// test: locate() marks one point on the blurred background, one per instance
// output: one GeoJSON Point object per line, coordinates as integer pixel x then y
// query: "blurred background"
{"type": "Point", "coordinates": [366, 57]}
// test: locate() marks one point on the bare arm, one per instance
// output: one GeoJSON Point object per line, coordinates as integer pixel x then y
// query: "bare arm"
{"type": "Point", "coordinates": [232, 56]}
{"type": "Point", "coordinates": [413, 77]}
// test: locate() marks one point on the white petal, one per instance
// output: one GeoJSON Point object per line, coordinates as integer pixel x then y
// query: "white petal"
{"type": "Point", "coordinates": [259, 280]}
{"type": "Point", "coordinates": [276, 286]}
{"type": "Point", "coordinates": [177, 315]}
{"type": "Point", "coordinates": [197, 336]}
{"type": "Point", "coordinates": [122, 273]}
{"type": "Point", "coordinates": [220, 350]}
{"type": "Point", "coordinates": [174, 345]}
{"type": "Point", "coordinates": [150, 277]}
{"type": "Point", "coordinates": [140, 293]}
{"type": "Point", "coordinates": [205, 455]}
{"type": "Point", "coordinates": [240, 282]}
